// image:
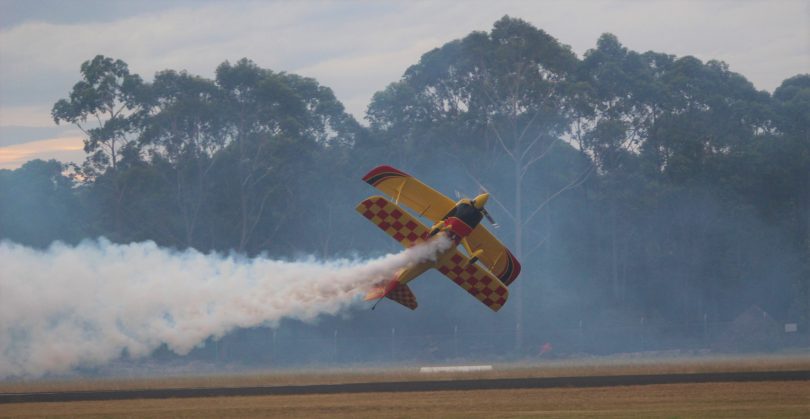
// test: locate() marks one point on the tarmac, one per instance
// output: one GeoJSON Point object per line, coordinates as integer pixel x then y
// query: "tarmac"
{"type": "Point", "coordinates": [408, 386]}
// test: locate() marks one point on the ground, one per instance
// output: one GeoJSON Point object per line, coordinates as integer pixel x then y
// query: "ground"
{"type": "Point", "coordinates": [748, 399]}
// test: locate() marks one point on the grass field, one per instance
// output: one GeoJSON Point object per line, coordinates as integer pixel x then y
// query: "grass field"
{"type": "Point", "coordinates": [747, 400]}
{"type": "Point", "coordinates": [752, 399]}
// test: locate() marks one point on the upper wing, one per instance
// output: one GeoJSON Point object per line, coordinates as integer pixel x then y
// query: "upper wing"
{"type": "Point", "coordinates": [409, 191]}
{"type": "Point", "coordinates": [496, 257]}
{"type": "Point", "coordinates": [478, 282]}
{"type": "Point", "coordinates": [392, 219]}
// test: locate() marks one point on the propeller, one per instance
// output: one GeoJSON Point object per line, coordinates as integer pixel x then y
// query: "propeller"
{"type": "Point", "coordinates": [482, 190]}
{"type": "Point", "coordinates": [484, 211]}
{"type": "Point", "coordinates": [490, 219]}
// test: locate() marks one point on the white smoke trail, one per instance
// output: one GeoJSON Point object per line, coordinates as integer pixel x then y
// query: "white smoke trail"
{"type": "Point", "coordinates": [82, 306]}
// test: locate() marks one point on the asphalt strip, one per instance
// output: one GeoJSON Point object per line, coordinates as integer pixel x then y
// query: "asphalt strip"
{"type": "Point", "coordinates": [410, 386]}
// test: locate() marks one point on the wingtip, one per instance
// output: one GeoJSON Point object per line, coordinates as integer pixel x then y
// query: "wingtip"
{"type": "Point", "coordinates": [381, 173]}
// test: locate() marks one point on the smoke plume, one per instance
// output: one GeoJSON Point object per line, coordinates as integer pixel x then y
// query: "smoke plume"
{"type": "Point", "coordinates": [69, 306]}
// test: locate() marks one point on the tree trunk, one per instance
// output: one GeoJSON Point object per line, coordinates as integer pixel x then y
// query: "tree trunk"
{"type": "Point", "coordinates": [614, 255]}
{"type": "Point", "coordinates": [518, 295]}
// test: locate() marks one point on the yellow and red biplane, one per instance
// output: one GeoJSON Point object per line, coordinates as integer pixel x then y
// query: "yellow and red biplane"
{"type": "Point", "coordinates": [459, 221]}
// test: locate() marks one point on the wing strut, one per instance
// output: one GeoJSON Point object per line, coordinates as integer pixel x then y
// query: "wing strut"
{"type": "Point", "coordinates": [399, 190]}
{"type": "Point", "coordinates": [495, 262]}
{"type": "Point", "coordinates": [467, 245]}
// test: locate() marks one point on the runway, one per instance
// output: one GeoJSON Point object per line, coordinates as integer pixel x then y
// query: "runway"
{"type": "Point", "coordinates": [409, 386]}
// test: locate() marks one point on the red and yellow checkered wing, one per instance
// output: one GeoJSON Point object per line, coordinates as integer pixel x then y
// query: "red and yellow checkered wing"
{"type": "Point", "coordinates": [477, 281]}
{"type": "Point", "coordinates": [392, 219]}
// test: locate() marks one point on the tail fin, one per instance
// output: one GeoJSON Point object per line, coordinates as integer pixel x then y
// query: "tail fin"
{"type": "Point", "coordinates": [392, 289]}
{"type": "Point", "coordinates": [403, 295]}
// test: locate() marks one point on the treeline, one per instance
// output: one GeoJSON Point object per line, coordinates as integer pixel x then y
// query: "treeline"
{"type": "Point", "coordinates": [630, 185]}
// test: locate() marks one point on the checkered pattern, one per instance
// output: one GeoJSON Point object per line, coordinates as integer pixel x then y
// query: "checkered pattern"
{"type": "Point", "coordinates": [403, 295]}
{"type": "Point", "coordinates": [392, 219]}
{"type": "Point", "coordinates": [481, 284]}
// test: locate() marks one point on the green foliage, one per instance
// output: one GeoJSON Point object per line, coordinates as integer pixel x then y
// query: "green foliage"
{"type": "Point", "coordinates": [108, 96]}
{"type": "Point", "coordinates": [38, 205]}
{"type": "Point", "coordinates": [501, 91]}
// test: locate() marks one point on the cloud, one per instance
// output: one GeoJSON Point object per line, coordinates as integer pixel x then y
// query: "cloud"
{"type": "Point", "coordinates": [43, 58]}
{"type": "Point", "coordinates": [66, 149]}
{"type": "Point", "coordinates": [26, 116]}
{"type": "Point", "coordinates": [352, 77]}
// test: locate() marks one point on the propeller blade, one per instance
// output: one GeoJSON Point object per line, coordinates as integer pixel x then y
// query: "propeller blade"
{"type": "Point", "coordinates": [490, 219]}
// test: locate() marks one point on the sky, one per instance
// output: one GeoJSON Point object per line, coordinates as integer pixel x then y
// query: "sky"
{"type": "Point", "coordinates": [354, 47]}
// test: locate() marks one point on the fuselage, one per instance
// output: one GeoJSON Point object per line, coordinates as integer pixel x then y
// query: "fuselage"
{"type": "Point", "coordinates": [461, 220]}
{"type": "Point", "coordinates": [456, 225]}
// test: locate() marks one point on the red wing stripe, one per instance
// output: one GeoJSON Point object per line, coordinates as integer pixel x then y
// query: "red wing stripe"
{"type": "Point", "coordinates": [380, 173]}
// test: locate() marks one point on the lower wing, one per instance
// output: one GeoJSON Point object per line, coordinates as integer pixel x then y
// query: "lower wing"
{"type": "Point", "coordinates": [477, 281]}
{"type": "Point", "coordinates": [495, 256]}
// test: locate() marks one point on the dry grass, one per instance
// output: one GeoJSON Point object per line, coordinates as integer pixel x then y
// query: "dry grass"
{"type": "Point", "coordinates": [561, 368]}
{"type": "Point", "coordinates": [762, 399]}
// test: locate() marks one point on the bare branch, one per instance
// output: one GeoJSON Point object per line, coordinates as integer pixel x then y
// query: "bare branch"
{"type": "Point", "coordinates": [81, 128]}
{"type": "Point", "coordinates": [495, 199]}
{"type": "Point", "coordinates": [534, 160]}
{"type": "Point", "coordinates": [526, 129]}
{"type": "Point", "coordinates": [576, 182]}
{"type": "Point", "coordinates": [272, 234]}
{"type": "Point", "coordinates": [258, 215]}
{"type": "Point", "coordinates": [537, 246]}
{"type": "Point", "coordinates": [529, 148]}
{"type": "Point", "coordinates": [118, 112]}
{"type": "Point", "coordinates": [502, 143]}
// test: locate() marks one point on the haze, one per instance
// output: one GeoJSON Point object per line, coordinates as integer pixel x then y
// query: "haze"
{"type": "Point", "coordinates": [647, 163]}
